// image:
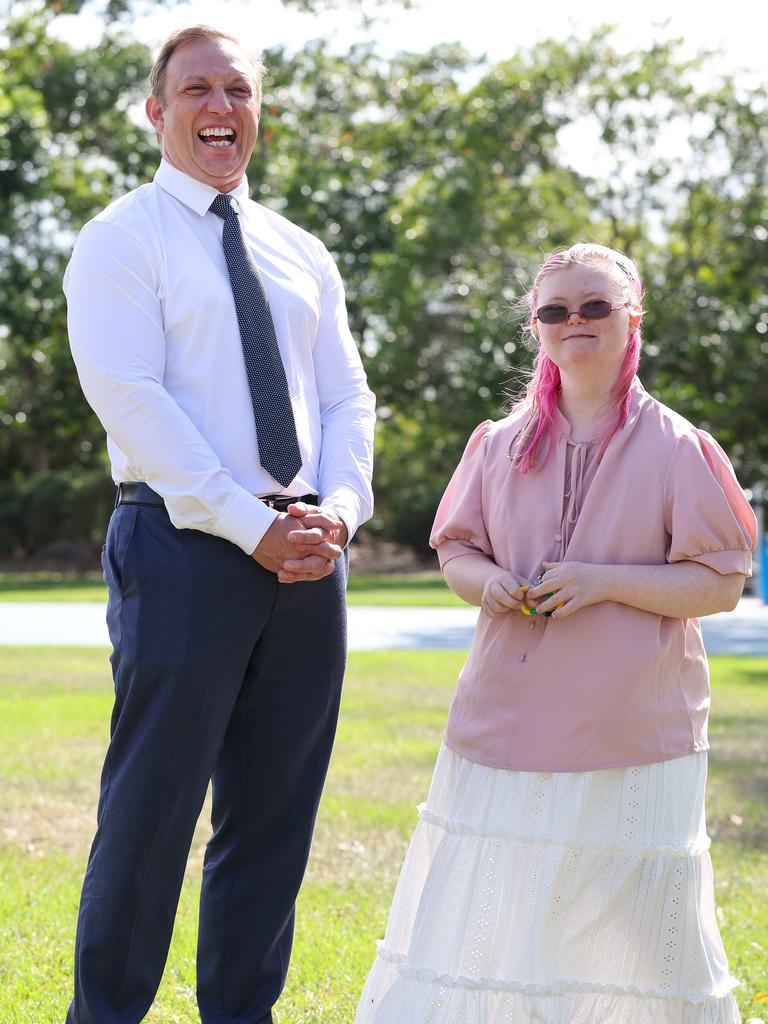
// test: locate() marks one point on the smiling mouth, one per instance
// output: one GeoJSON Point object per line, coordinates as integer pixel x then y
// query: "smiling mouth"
{"type": "Point", "coordinates": [217, 138]}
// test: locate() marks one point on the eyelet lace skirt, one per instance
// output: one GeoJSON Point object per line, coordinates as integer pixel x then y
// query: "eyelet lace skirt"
{"type": "Point", "coordinates": [555, 898]}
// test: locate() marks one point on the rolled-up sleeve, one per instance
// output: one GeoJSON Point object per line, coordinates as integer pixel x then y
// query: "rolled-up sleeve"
{"type": "Point", "coordinates": [707, 516]}
{"type": "Point", "coordinates": [459, 528]}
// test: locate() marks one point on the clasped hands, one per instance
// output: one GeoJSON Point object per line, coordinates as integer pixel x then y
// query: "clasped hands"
{"type": "Point", "coordinates": [302, 544]}
{"type": "Point", "coordinates": [563, 589]}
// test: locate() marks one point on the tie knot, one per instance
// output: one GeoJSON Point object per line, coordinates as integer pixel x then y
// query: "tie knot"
{"type": "Point", "coordinates": [221, 206]}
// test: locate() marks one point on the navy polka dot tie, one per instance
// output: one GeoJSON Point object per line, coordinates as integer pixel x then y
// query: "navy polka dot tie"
{"type": "Point", "coordinates": [275, 426]}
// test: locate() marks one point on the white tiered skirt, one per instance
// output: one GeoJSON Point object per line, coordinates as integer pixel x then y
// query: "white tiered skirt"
{"type": "Point", "coordinates": [555, 898]}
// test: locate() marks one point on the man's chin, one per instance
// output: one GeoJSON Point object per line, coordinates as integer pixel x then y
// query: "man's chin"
{"type": "Point", "coordinates": [219, 175]}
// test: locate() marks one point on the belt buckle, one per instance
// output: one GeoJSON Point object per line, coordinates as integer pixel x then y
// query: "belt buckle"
{"type": "Point", "coordinates": [274, 501]}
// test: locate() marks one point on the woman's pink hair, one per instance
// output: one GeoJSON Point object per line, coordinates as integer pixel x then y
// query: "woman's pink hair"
{"type": "Point", "coordinates": [544, 387]}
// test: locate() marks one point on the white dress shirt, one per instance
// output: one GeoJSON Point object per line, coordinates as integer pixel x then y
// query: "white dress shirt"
{"type": "Point", "coordinates": [154, 335]}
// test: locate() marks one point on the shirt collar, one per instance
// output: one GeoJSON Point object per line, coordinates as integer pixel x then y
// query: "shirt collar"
{"type": "Point", "coordinates": [193, 193]}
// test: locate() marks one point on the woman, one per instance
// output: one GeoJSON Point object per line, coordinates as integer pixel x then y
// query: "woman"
{"type": "Point", "coordinates": [559, 873]}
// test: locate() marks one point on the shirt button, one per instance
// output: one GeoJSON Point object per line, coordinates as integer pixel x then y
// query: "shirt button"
{"type": "Point", "coordinates": [532, 626]}
{"type": "Point", "coordinates": [558, 537]}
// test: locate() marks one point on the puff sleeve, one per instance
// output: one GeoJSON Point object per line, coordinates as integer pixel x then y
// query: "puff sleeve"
{"type": "Point", "coordinates": [459, 528]}
{"type": "Point", "coordinates": [706, 514]}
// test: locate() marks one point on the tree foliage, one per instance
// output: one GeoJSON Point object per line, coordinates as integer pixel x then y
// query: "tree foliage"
{"type": "Point", "coordinates": [438, 182]}
{"type": "Point", "coordinates": [67, 146]}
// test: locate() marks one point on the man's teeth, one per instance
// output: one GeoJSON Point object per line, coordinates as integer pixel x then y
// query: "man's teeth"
{"type": "Point", "coordinates": [223, 136]}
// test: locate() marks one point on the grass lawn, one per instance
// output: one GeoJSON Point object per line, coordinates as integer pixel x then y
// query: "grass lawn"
{"type": "Point", "coordinates": [412, 588]}
{"type": "Point", "coordinates": [54, 711]}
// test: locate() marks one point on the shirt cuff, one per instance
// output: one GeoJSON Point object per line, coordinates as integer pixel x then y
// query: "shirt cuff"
{"type": "Point", "coordinates": [245, 521]}
{"type": "Point", "coordinates": [347, 509]}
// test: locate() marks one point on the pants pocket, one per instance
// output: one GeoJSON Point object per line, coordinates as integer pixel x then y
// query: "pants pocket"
{"type": "Point", "coordinates": [119, 534]}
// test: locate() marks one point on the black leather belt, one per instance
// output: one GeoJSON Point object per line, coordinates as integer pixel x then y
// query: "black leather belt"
{"type": "Point", "coordinates": [135, 492]}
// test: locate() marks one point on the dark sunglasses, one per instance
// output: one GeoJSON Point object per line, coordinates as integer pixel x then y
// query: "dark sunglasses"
{"type": "Point", "coordinates": [557, 313]}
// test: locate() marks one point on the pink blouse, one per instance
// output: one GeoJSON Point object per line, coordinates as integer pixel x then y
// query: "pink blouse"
{"type": "Point", "coordinates": [610, 686]}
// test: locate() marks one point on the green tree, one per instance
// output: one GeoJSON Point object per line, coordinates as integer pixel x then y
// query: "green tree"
{"type": "Point", "coordinates": [708, 349]}
{"type": "Point", "coordinates": [68, 144]}
{"type": "Point", "coordinates": [440, 197]}
{"type": "Point", "coordinates": [438, 182]}
{"type": "Point", "coordinates": [436, 197]}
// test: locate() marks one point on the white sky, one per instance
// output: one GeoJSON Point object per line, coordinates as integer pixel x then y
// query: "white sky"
{"type": "Point", "coordinates": [496, 28]}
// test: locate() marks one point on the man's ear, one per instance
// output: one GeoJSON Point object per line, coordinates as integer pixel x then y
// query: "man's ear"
{"type": "Point", "coordinates": [154, 113]}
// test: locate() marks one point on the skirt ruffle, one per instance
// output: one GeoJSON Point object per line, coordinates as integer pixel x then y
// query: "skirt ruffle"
{"type": "Point", "coordinates": [555, 898]}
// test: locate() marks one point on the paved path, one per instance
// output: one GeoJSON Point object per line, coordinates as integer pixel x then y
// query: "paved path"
{"type": "Point", "coordinates": [743, 631]}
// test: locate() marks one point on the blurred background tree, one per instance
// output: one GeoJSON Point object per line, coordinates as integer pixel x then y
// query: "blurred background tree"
{"type": "Point", "coordinates": [67, 147]}
{"type": "Point", "coordinates": [438, 182]}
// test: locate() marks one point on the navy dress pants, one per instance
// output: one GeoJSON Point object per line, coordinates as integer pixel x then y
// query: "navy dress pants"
{"type": "Point", "coordinates": [221, 674]}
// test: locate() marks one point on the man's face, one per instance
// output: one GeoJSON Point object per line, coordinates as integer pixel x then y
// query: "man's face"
{"type": "Point", "coordinates": [209, 118]}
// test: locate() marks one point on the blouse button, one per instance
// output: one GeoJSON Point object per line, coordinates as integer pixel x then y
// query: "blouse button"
{"type": "Point", "coordinates": [558, 537]}
{"type": "Point", "coordinates": [532, 625]}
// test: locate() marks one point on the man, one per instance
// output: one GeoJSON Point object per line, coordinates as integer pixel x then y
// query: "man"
{"type": "Point", "coordinates": [213, 345]}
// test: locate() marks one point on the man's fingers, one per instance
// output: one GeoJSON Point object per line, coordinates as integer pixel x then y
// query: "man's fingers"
{"type": "Point", "coordinates": [312, 542]}
{"type": "Point", "coordinates": [310, 564]}
{"type": "Point", "coordinates": [325, 551]}
{"type": "Point", "coordinates": [299, 577]}
{"type": "Point", "coordinates": [300, 570]}
{"type": "Point", "coordinates": [310, 517]}
{"type": "Point", "coordinates": [306, 535]}
{"type": "Point", "coordinates": [322, 519]}
{"type": "Point", "coordinates": [313, 532]}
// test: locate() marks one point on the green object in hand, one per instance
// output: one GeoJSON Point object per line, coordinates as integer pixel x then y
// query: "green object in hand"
{"type": "Point", "coordinates": [545, 614]}
{"type": "Point", "coordinates": [533, 611]}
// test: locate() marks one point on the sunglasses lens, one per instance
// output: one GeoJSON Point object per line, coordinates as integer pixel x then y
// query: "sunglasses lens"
{"type": "Point", "coordinates": [597, 309]}
{"type": "Point", "coordinates": [554, 314]}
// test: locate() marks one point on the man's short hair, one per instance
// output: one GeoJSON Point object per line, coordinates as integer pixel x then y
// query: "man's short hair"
{"type": "Point", "coordinates": [193, 33]}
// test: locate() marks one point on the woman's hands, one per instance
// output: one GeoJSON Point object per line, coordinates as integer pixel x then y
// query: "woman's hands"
{"type": "Point", "coordinates": [570, 586]}
{"type": "Point", "coordinates": [679, 590]}
{"type": "Point", "coordinates": [502, 594]}
{"type": "Point", "coordinates": [564, 588]}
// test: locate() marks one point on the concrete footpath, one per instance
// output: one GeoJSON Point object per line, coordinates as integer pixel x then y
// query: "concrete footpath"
{"type": "Point", "coordinates": [742, 631]}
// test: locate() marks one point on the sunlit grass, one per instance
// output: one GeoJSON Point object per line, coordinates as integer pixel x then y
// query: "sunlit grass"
{"type": "Point", "coordinates": [54, 713]}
